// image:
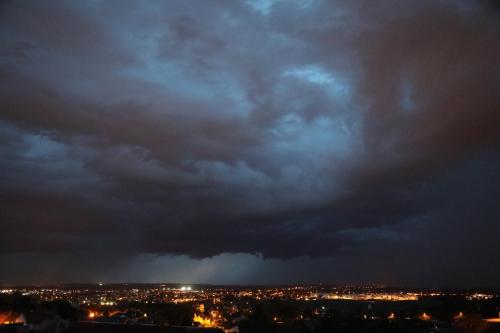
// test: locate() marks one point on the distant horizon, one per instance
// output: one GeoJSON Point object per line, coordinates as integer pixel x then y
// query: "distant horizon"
{"type": "Point", "coordinates": [327, 285]}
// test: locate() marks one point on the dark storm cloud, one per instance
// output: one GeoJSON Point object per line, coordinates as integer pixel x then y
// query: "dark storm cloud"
{"type": "Point", "coordinates": [293, 129]}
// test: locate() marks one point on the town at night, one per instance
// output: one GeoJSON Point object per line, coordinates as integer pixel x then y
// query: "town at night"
{"type": "Point", "coordinates": [205, 308]}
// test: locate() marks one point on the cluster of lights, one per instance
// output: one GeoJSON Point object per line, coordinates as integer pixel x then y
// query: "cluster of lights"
{"type": "Point", "coordinates": [212, 320]}
{"type": "Point", "coordinates": [479, 296]}
{"type": "Point", "coordinates": [374, 296]}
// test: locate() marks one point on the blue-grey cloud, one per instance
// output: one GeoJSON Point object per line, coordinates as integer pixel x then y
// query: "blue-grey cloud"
{"type": "Point", "coordinates": [308, 133]}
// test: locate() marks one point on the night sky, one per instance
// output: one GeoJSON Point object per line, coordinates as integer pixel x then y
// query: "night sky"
{"type": "Point", "coordinates": [250, 142]}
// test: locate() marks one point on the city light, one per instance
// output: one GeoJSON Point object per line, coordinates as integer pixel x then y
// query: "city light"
{"type": "Point", "coordinates": [424, 316]}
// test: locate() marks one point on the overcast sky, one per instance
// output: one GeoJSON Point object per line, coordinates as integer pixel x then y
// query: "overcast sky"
{"type": "Point", "coordinates": [260, 141]}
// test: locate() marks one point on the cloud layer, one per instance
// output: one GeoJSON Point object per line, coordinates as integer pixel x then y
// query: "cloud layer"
{"type": "Point", "coordinates": [356, 136]}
